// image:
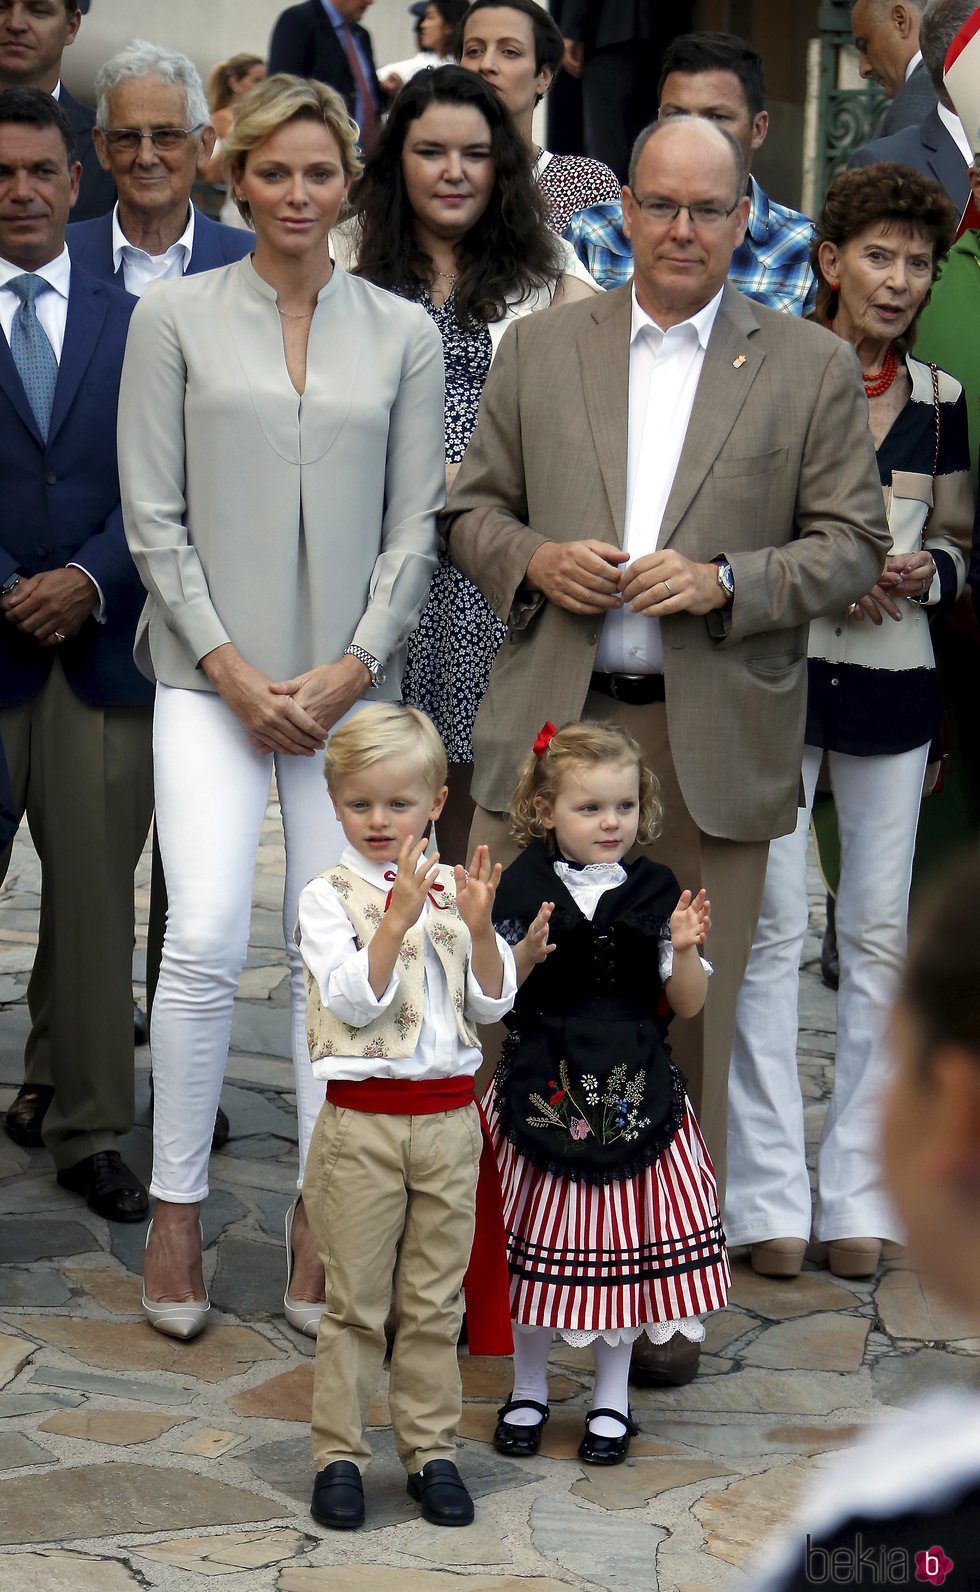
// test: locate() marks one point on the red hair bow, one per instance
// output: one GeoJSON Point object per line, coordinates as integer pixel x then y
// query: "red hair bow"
{"type": "Point", "coordinates": [543, 739]}
{"type": "Point", "coordinates": [390, 878]}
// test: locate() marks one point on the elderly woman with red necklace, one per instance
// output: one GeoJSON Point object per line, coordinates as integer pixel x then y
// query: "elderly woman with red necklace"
{"type": "Point", "coordinates": [874, 706]}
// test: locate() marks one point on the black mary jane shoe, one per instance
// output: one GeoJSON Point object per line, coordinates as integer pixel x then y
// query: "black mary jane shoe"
{"type": "Point", "coordinates": [595, 1450]}
{"type": "Point", "coordinates": [338, 1496]}
{"type": "Point", "coordinates": [519, 1441]}
{"type": "Point", "coordinates": [441, 1491]}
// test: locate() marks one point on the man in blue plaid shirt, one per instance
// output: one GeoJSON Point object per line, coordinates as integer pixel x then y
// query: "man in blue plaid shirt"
{"type": "Point", "coordinates": [720, 77]}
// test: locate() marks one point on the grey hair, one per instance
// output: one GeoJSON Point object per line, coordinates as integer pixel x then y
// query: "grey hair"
{"type": "Point", "coordinates": [940, 25]}
{"type": "Point", "coordinates": [880, 8]}
{"type": "Point", "coordinates": [140, 58]}
{"type": "Point", "coordinates": [648, 133]}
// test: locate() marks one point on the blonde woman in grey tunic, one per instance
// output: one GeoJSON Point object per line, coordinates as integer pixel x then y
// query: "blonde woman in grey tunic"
{"type": "Point", "coordinates": [281, 457]}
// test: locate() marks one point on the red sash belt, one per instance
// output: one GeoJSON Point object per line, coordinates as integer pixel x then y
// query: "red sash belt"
{"type": "Point", "coordinates": [486, 1284]}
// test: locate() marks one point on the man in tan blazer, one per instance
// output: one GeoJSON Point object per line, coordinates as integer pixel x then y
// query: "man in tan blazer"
{"type": "Point", "coordinates": [664, 487]}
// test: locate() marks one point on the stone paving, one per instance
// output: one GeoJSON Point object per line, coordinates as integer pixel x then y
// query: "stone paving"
{"type": "Point", "coordinates": [129, 1460]}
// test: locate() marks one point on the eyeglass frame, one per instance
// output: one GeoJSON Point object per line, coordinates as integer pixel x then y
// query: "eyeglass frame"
{"type": "Point", "coordinates": [114, 137]}
{"type": "Point", "coordinates": [714, 221]}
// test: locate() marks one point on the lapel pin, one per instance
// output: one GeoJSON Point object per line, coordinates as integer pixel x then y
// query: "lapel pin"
{"type": "Point", "coordinates": [739, 362]}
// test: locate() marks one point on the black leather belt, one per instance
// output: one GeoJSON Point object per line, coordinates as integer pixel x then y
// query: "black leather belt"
{"type": "Point", "coordinates": [635, 689]}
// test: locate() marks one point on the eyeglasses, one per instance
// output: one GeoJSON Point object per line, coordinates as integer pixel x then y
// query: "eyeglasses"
{"type": "Point", "coordinates": [702, 215]}
{"type": "Point", "coordinates": [165, 139]}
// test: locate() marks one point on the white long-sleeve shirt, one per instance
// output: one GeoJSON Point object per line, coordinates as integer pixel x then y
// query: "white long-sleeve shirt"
{"type": "Point", "coordinates": [329, 949]}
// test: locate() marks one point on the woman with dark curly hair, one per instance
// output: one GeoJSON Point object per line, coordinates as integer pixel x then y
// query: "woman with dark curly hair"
{"type": "Point", "coordinates": [447, 215]}
{"type": "Point", "coordinates": [873, 708]}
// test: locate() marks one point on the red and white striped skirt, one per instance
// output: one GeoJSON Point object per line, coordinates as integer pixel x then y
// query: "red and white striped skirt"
{"type": "Point", "coordinates": [624, 1255]}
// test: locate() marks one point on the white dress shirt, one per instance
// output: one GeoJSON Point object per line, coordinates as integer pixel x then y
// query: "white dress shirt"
{"type": "Point", "coordinates": [915, 61]}
{"type": "Point", "coordinates": [141, 270]}
{"type": "Point", "coordinates": [665, 368]}
{"type": "Point", "coordinates": [51, 310]}
{"type": "Point", "coordinates": [956, 131]}
{"type": "Point", "coordinates": [329, 948]}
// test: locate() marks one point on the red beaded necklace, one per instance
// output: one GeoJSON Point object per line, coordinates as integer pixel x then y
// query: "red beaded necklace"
{"type": "Point", "coordinates": [875, 385]}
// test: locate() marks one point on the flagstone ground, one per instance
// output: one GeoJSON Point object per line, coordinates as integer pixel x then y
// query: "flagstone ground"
{"type": "Point", "coordinates": [128, 1460]}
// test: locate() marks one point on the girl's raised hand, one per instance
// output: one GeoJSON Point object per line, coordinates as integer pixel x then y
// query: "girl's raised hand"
{"type": "Point", "coordinates": [412, 883]}
{"type": "Point", "coordinates": [690, 920]}
{"type": "Point", "coordinates": [536, 939]}
{"type": "Point", "coordinates": [476, 889]}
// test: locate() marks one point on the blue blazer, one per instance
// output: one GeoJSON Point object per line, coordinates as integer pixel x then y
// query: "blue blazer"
{"type": "Point", "coordinates": [90, 246]}
{"type": "Point", "coordinates": [60, 502]}
{"type": "Point", "coordinates": [928, 148]}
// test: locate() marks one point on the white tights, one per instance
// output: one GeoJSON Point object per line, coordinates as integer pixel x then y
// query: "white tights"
{"type": "Point", "coordinates": [612, 1369]}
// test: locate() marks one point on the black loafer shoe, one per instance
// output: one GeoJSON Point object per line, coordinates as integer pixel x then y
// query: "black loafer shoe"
{"type": "Point", "coordinates": [141, 1026]}
{"type": "Point", "coordinates": [439, 1488]}
{"type": "Point", "coordinates": [109, 1187]}
{"type": "Point", "coordinates": [222, 1128]}
{"type": "Point", "coordinates": [25, 1114]}
{"type": "Point", "coordinates": [670, 1364]}
{"type": "Point", "coordinates": [595, 1450]}
{"type": "Point", "coordinates": [338, 1496]}
{"type": "Point", "coordinates": [521, 1441]}
{"type": "Point", "coordinates": [829, 953]}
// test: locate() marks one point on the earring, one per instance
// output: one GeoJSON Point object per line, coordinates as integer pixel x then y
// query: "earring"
{"type": "Point", "coordinates": [834, 286]}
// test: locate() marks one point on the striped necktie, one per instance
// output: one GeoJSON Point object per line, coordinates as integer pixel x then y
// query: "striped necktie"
{"type": "Point", "coordinates": [31, 350]}
{"type": "Point", "coordinates": [365, 94]}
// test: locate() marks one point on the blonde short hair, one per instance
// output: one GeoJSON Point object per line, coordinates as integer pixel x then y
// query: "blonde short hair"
{"type": "Point", "coordinates": [384, 729]}
{"type": "Point", "coordinates": [270, 105]}
{"type": "Point", "coordinates": [582, 745]}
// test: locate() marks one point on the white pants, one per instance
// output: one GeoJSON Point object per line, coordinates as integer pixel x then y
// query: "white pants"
{"type": "Point", "coordinates": [768, 1195]}
{"type": "Point", "coordinates": [212, 790]}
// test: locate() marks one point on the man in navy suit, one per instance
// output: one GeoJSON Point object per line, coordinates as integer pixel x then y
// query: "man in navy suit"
{"type": "Point", "coordinates": [324, 39]}
{"type": "Point", "coordinates": [153, 133]}
{"type": "Point", "coordinates": [74, 711]}
{"type": "Point", "coordinates": [34, 35]}
{"type": "Point", "coordinates": [939, 146]}
{"type": "Point", "coordinates": [886, 37]}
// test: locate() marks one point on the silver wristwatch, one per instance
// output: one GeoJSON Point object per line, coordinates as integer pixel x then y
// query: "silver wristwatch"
{"type": "Point", "coordinates": [726, 579]}
{"type": "Point", "coordinates": [370, 662]}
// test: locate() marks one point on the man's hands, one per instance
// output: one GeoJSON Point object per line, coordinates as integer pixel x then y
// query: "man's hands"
{"type": "Point", "coordinates": [588, 578]}
{"type": "Point", "coordinates": [51, 606]}
{"type": "Point", "coordinates": [573, 60]}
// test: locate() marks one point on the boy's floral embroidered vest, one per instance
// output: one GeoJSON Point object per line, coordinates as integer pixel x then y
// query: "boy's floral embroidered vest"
{"type": "Point", "coordinates": [395, 1033]}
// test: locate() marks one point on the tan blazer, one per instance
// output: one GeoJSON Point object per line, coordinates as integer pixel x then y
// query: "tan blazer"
{"type": "Point", "coordinates": [777, 473]}
{"type": "Point", "coordinates": [288, 526]}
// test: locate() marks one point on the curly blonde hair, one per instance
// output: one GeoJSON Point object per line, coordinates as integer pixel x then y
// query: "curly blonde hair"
{"type": "Point", "coordinates": [581, 745]}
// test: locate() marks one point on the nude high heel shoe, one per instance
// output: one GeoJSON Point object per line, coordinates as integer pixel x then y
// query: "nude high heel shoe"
{"type": "Point", "coordinates": [854, 1257]}
{"type": "Point", "coordinates": [183, 1318]}
{"type": "Point", "coordinates": [303, 1316]}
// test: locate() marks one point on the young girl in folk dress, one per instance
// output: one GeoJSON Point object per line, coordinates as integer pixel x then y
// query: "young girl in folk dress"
{"type": "Point", "coordinates": [610, 1203]}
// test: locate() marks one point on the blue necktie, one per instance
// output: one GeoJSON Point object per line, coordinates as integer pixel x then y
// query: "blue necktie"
{"type": "Point", "coordinates": [33, 354]}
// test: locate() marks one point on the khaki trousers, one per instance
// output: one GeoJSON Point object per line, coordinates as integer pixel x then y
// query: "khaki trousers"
{"type": "Point", "coordinates": [732, 872]}
{"type": "Point", "coordinates": [391, 1197]}
{"type": "Point", "coordinates": [84, 777]}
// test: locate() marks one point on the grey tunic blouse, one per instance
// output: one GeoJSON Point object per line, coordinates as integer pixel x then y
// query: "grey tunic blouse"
{"type": "Point", "coordinates": [289, 526]}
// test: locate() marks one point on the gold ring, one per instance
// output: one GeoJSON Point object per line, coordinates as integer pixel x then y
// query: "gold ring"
{"type": "Point", "coordinates": [666, 583]}
{"type": "Point", "coordinates": [852, 609]}
{"type": "Point", "coordinates": [58, 636]}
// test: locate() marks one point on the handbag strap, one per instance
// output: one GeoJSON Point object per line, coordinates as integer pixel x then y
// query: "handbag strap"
{"type": "Point", "coordinates": [937, 411]}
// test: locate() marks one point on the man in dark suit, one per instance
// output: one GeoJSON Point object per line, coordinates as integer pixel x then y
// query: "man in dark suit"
{"type": "Point", "coordinates": [153, 133]}
{"type": "Point", "coordinates": [33, 38]}
{"type": "Point", "coordinates": [939, 146]}
{"type": "Point", "coordinates": [74, 711]}
{"type": "Point", "coordinates": [324, 39]}
{"type": "Point", "coordinates": [617, 47]}
{"type": "Point", "coordinates": [153, 234]}
{"type": "Point", "coordinates": [886, 37]}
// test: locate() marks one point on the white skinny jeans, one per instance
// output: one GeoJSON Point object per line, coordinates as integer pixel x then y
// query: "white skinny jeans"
{"type": "Point", "coordinates": [768, 1193]}
{"type": "Point", "coordinates": [212, 789]}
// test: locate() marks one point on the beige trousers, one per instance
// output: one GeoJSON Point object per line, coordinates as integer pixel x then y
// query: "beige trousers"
{"type": "Point", "coordinates": [391, 1198]}
{"type": "Point", "coordinates": [732, 872]}
{"type": "Point", "coordinates": [84, 777]}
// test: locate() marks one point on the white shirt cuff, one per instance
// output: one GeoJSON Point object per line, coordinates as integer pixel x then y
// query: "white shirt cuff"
{"type": "Point", "coordinates": [98, 608]}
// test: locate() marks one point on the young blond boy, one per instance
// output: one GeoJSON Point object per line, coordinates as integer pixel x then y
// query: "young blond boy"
{"type": "Point", "coordinates": [402, 962]}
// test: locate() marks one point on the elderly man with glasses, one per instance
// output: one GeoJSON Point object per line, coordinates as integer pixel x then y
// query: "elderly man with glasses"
{"type": "Point", "coordinates": [153, 133]}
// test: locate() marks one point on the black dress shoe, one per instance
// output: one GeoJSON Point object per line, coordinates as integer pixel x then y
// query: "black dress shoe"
{"type": "Point", "coordinates": [338, 1496]}
{"type": "Point", "coordinates": [25, 1114]}
{"type": "Point", "coordinates": [595, 1450]}
{"type": "Point", "coordinates": [439, 1488]}
{"type": "Point", "coordinates": [141, 1026]}
{"type": "Point", "coordinates": [670, 1364]}
{"type": "Point", "coordinates": [110, 1188]}
{"type": "Point", "coordinates": [829, 954]}
{"type": "Point", "coordinates": [522, 1441]}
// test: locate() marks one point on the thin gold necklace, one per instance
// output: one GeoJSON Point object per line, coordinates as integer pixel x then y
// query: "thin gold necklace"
{"type": "Point", "coordinates": [293, 315]}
